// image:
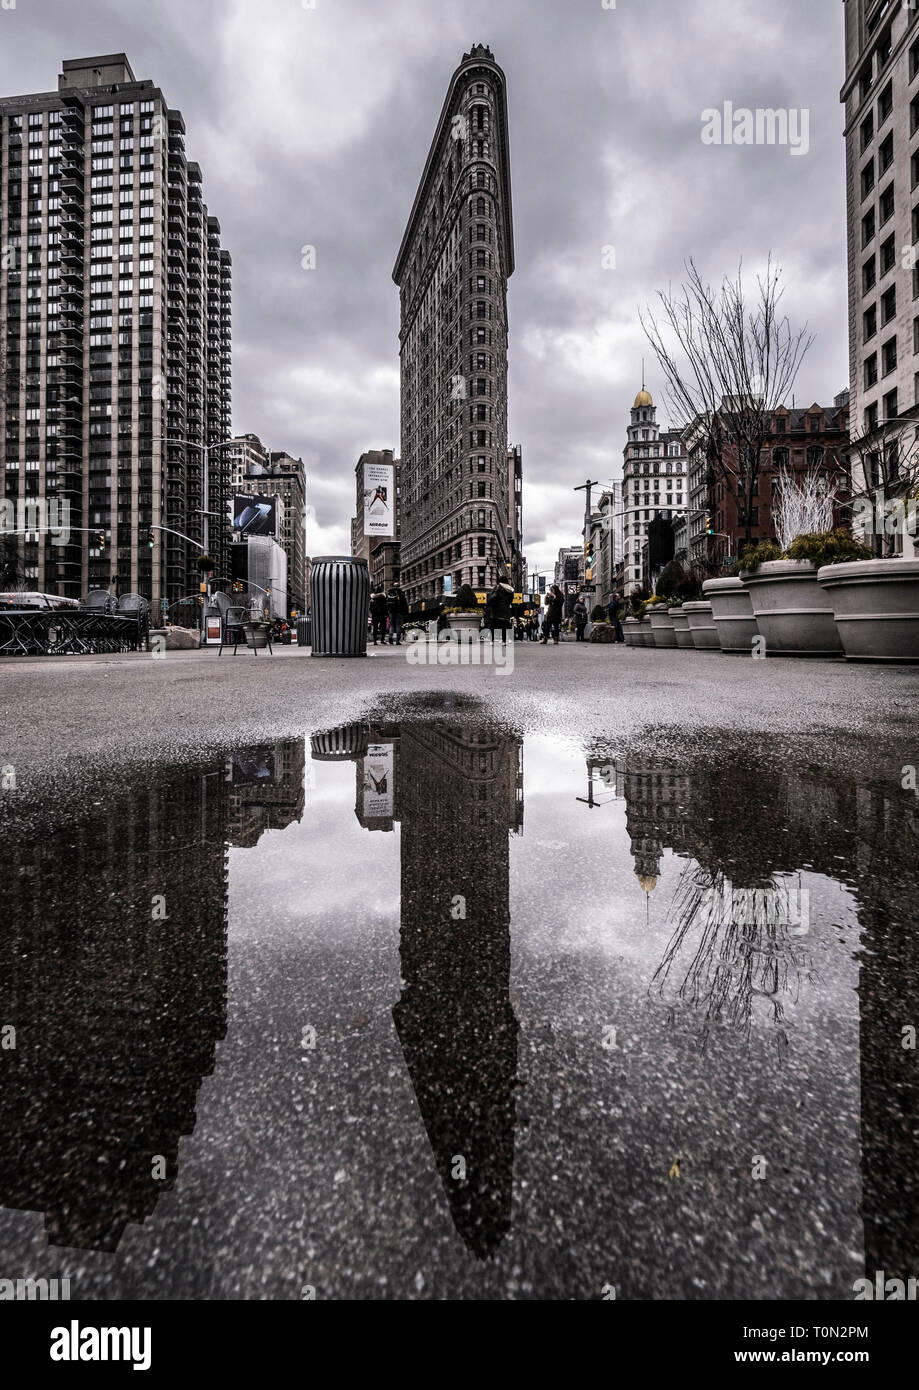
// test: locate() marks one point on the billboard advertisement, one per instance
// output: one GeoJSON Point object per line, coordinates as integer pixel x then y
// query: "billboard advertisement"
{"type": "Point", "coordinates": [254, 516]}
{"type": "Point", "coordinates": [379, 499]}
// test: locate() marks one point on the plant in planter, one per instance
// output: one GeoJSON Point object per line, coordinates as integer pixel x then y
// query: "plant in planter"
{"type": "Point", "coordinates": [466, 613]}
{"type": "Point", "coordinates": [206, 563]}
{"type": "Point", "coordinates": [794, 616]}
{"type": "Point", "coordinates": [828, 548]}
{"type": "Point", "coordinates": [657, 610]}
{"type": "Point", "coordinates": [598, 614]}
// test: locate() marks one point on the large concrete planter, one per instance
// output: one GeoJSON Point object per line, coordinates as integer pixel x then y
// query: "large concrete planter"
{"type": "Point", "coordinates": [702, 630]}
{"type": "Point", "coordinates": [645, 636]}
{"type": "Point", "coordinates": [661, 626]}
{"type": "Point", "coordinates": [876, 606]}
{"type": "Point", "coordinates": [465, 625]}
{"type": "Point", "coordinates": [630, 632]}
{"type": "Point", "coordinates": [792, 612]}
{"type": "Point", "coordinates": [680, 620]}
{"type": "Point", "coordinates": [732, 611]}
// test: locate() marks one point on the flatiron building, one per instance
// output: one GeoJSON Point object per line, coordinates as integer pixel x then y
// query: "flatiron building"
{"type": "Point", "coordinates": [456, 257]}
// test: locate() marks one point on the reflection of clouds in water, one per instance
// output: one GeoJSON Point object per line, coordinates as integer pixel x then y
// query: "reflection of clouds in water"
{"type": "Point", "coordinates": [325, 871]}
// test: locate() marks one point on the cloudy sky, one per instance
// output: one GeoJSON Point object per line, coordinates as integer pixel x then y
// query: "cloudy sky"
{"type": "Point", "coordinates": [312, 126]}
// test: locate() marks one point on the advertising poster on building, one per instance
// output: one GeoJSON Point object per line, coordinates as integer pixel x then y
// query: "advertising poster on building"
{"type": "Point", "coordinates": [378, 781]}
{"type": "Point", "coordinates": [379, 499]}
{"type": "Point", "coordinates": [255, 516]}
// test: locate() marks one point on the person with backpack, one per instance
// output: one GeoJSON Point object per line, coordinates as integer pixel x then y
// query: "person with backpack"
{"type": "Point", "coordinates": [555, 603]}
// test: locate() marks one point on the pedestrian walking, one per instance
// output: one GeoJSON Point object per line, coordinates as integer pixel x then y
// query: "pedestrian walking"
{"type": "Point", "coordinates": [500, 601]}
{"type": "Point", "coordinates": [579, 613]}
{"type": "Point", "coordinates": [555, 603]}
{"type": "Point", "coordinates": [378, 614]}
{"type": "Point", "coordinates": [397, 611]}
{"type": "Point", "coordinates": [615, 616]}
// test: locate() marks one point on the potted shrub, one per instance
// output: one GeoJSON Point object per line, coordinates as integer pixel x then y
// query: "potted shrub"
{"type": "Point", "coordinates": [732, 613]}
{"type": "Point", "coordinates": [601, 629]}
{"type": "Point", "coordinates": [793, 614]}
{"type": "Point", "coordinates": [465, 614]}
{"type": "Point", "coordinates": [658, 611]}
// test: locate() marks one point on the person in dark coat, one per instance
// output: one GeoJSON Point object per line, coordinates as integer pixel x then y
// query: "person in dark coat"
{"type": "Point", "coordinates": [500, 602]}
{"type": "Point", "coordinates": [555, 603]}
{"type": "Point", "coordinates": [579, 613]}
{"type": "Point", "coordinates": [397, 611]}
{"type": "Point", "coordinates": [378, 614]}
{"type": "Point", "coordinates": [615, 617]}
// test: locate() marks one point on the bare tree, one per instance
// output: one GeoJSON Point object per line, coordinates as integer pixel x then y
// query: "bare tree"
{"type": "Point", "coordinates": [728, 363]}
{"type": "Point", "coordinates": [738, 957]}
{"type": "Point", "coordinates": [884, 464]}
{"type": "Point", "coordinates": [803, 504]}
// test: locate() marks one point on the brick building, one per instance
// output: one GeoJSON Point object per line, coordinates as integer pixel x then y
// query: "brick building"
{"type": "Point", "coordinates": [801, 438]}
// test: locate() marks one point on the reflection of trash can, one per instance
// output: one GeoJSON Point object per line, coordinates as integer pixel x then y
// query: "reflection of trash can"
{"type": "Point", "coordinates": [339, 601]}
{"type": "Point", "coordinates": [346, 743]}
{"type": "Point", "coordinates": [303, 631]}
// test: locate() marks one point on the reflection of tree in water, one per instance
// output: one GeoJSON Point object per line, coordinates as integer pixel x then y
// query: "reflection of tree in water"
{"type": "Point", "coordinates": [743, 954]}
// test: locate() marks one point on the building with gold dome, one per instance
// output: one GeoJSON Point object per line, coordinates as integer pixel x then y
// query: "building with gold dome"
{"type": "Point", "coordinates": [653, 483]}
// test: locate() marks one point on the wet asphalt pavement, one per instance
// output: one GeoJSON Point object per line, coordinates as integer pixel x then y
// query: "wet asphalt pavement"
{"type": "Point", "coordinates": [406, 982]}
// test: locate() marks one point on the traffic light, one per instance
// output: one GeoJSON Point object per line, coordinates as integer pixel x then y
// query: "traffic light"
{"type": "Point", "coordinates": [588, 559]}
{"type": "Point", "coordinates": [151, 538]}
{"type": "Point", "coordinates": [101, 540]}
{"type": "Point", "coordinates": [709, 524]}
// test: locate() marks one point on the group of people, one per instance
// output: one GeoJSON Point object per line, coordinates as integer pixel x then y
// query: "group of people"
{"type": "Point", "coordinates": [614, 613]}
{"type": "Point", "coordinates": [388, 612]}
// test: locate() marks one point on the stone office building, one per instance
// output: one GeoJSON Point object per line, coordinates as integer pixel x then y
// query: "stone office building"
{"type": "Point", "coordinates": [881, 96]}
{"type": "Point", "coordinates": [452, 271]}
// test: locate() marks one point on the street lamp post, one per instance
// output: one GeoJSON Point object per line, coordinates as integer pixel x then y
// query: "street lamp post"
{"type": "Point", "coordinates": [205, 449]}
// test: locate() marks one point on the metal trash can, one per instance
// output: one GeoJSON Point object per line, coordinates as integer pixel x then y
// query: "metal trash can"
{"type": "Point", "coordinates": [303, 631]}
{"type": "Point", "coordinates": [339, 603]}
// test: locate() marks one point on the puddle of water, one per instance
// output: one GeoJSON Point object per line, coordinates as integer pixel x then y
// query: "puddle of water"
{"type": "Point", "coordinates": [415, 1007]}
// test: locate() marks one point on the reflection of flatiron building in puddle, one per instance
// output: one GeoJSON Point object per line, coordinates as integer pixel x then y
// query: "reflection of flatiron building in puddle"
{"type": "Point", "coordinates": [457, 791]}
{"type": "Point", "coordinates": [460, 792]}
{"type": "Point", "coordinates": [113, 971]}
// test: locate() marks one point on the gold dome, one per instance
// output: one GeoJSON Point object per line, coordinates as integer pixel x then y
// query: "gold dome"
{"type": "Point", "coordinates": [643, 398]}
{"type": "Point", "coordinates": [648, 882]}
